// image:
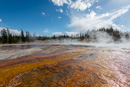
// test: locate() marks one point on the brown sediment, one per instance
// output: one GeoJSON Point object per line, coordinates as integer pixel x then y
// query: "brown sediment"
{"type": "Point", "coordinates": [11, 71]}
{"type": "Point", "coordinates": [30, 59]}
{"type": "Point", "coordinates": [35, 57]}
{"type": "Point", "coordinates": [76, 67]}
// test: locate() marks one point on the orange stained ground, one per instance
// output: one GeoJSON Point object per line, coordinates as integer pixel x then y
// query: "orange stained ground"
{"type": "Point", "coordinates": [77, 67]}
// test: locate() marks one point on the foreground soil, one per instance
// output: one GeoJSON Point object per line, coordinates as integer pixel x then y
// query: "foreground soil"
{"type": "Point", "coordinates": [65, 66]}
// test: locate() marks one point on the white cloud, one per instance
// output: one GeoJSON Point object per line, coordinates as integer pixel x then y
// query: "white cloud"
{"type": "Point", "coordinates": [67, 13]}
{"type": "Point", "coordinates": [43, 13]}
{"type": "Point", "coordinates": [91, 15]}
{"type": "Point", "coordinates": [71, 33]}
{"type": "Point", "coordinates": [59, 10]}
{"type": "Point", "coordinates": [61, 2]}
{"type": "Point", "coordinates": [94, 21]}
{"type": "Point", "coordinates": [45, 31]}
{"type": "Point", "coordinates": [59, 17]}
{"type": "Point", "coordinates": [57, 33]}
{"type": "Point", "coordinates": [0, 20]}
{"type": "Point", "coordinates": [77, 4]}
{"type": "Point", "coordinates": [80, 5]}
{"type": "Point", "coordinates": [12, 31]}
{"type": "Point", "coordinates": [98, 7]}
{"type": "Point", "coordinates": [119, 3]}
{"type": "Point", "coordinates": [89, 10]}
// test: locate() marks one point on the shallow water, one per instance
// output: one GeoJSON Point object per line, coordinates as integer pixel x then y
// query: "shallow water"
{"type": "Point", "coordinates": [10, 47]}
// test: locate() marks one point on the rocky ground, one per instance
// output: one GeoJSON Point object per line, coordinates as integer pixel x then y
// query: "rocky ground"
{"type": "Point", "coordinates": [45, 65]}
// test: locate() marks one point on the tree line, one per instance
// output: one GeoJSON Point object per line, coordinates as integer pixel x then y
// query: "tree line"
{"type": "Point", "coordinates": [7, 37]}
{"type": "Point", "coordinates": [114, 33]}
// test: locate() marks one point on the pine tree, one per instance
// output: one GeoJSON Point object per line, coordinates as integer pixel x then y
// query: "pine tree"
{"type": "Point", "coordinates": [27, 36]}
{"type": "Point", "coordinates": [8, 34]}
{"type": "Point", "coordinates": [4, 36]}
{"type": "Point", "coordinates": [22, 36]}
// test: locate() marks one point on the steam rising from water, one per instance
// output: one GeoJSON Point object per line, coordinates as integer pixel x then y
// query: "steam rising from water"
{"type": "Point", "coordinates": [102, 40]}
{"type": "Point", "coordinates": [76, 42]}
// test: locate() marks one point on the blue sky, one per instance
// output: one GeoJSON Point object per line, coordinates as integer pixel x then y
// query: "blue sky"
{"type": "Point", "coordinates": [48, 17]}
